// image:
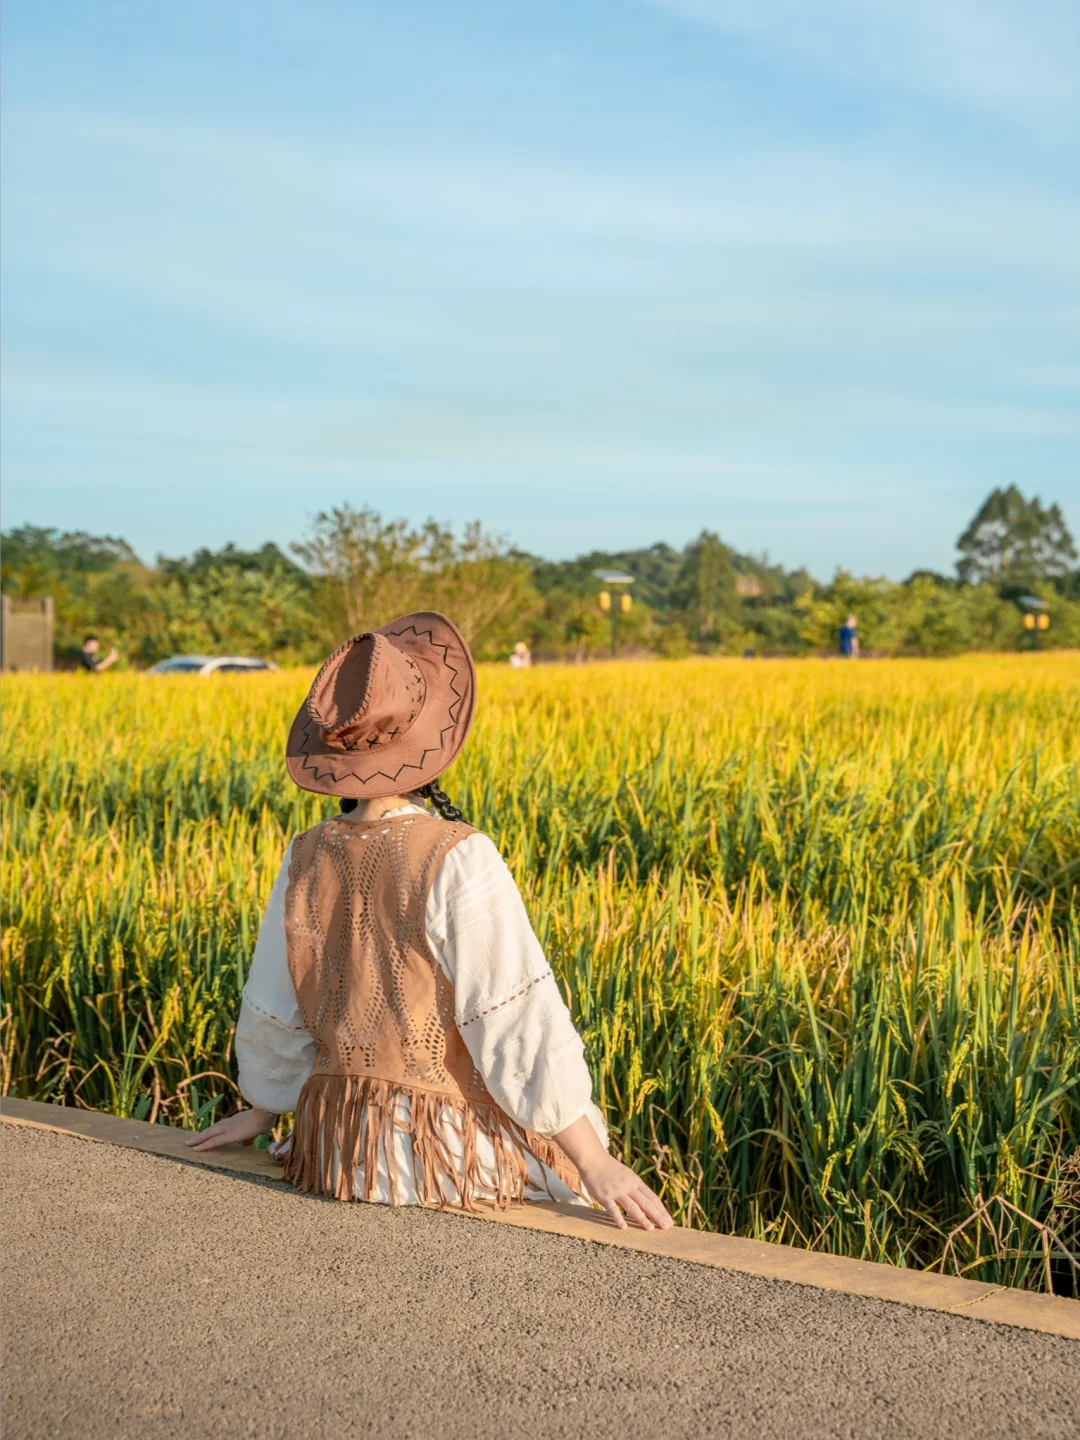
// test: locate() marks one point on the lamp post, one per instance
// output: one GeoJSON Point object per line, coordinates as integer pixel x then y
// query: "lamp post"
{"type": "Point", "coordinates": [613, 603]}
{"type": "Point", "coordinates": [1036, 618]}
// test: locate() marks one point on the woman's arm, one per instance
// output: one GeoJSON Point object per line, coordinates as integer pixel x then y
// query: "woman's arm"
{"type": "Point", "coordinates": [611, 1183]}
{"type": "Point", "coordinates": [514, 1021]}
{"type": "Point", "coordinates": [274, 1052]}
{"type": "Point", "coordinates": [507, 1003]}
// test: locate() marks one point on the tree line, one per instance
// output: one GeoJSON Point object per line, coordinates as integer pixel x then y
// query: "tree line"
{"type": "Point", "coordinates": [353, 569]}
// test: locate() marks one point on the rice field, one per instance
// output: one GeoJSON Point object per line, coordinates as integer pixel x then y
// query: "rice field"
{"type": "Point", "coordinates": [817, 922]}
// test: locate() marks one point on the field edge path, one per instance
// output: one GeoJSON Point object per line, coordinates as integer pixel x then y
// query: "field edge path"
{"type": "Point", "coordinates": [970, 1299]}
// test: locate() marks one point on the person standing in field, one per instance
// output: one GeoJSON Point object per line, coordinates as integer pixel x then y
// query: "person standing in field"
{"type": "Point", "coordinates": [849, 638]}
{"type": "Point", "coordinates": [91, 659]}
{"type": "Point", "coordinates": [520, 657]}
{"type": "Point", "coordinates": [398, 1000]}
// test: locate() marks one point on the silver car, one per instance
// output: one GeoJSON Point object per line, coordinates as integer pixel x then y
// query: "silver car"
{"type": "Point", "coordinates": [210, 665]}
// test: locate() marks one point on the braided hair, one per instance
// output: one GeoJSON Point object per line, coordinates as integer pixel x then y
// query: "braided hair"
{"type": "Point", "coordinates": [443, 804]}
{"type": "Point", "coordinates": [432, 791]}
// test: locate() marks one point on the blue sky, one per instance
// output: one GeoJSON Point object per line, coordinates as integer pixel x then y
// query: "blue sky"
{"type": "Point", "coordinates": [599, 272]}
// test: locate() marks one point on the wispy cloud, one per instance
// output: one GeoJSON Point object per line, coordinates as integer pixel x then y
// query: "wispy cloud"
{"type": "Point", "coordinates": [320, 243]}
{"type": "Point", "coordinates": [872, 190]}
{"type": "Point", "coordinates": [1016, 62]}
{"type": "Point", "coordinates": [758, 319]}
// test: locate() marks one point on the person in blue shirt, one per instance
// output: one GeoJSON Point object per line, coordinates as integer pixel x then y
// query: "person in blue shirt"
{"type": "Point", "coordinates": [849, 638]}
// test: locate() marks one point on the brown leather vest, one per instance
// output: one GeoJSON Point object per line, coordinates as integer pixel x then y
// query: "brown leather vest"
{"type": "Point", "coordinates": [381, 1013]}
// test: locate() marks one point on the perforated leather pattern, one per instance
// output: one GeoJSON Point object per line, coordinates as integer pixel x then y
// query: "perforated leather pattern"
{"type": "Point", "coordinates": [373, 998]}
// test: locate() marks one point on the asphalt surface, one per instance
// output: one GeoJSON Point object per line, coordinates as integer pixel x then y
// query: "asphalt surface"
{"type": "Point", "coordinates": [148, 1298]}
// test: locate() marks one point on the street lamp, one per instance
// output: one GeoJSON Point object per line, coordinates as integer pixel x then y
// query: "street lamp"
{"type": "Point", "coordinates": [614, 603]}
{"type": "Point", "coordinates": [1036, 618]}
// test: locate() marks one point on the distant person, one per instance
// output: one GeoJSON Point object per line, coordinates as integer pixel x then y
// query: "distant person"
{"type": "Point", "coordinates": [849, 638]}
{"type": "Point", "coordinates": [90, 657]}
{"type": "Point", "coordinates": [520, 656]}
{"type": "Point", "coordinates": [398, 1002]}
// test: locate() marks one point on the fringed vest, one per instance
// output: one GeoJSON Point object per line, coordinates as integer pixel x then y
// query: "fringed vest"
{"type": "Point", "coordinates": [381, 1013]}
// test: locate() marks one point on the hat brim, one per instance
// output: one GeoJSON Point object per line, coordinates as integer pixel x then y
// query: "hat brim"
{"type": "Point", "coordinates": [430, 745]}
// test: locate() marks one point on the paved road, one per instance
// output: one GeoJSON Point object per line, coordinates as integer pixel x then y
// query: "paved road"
{"type": "Point", "coordinates": [147, 1298]}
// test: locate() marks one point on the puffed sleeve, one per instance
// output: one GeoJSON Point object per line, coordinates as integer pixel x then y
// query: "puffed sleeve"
{"type": "Point", "coordinates": [508, 1005]}
{"type": "Point", "coordinates": [274, 1052]}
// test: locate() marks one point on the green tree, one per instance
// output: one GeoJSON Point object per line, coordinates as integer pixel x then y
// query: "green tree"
{"type": "Point", "coordinates": [871, 600]}
{"type": "Point", "coordinates": [1012, 543]}
{"type": "Point", "coordinates": [485, 590]}
{"type": "Point", "coordinates": [704, 592]}
{"type": "Point", "coordinates": [368, 570]}
{"type": "Point", "coordinates": [227, 609]}
{"type": "Point", "coordinates": [365, 568]}
{"type": "Point", "coordinates": [36, 556]}
{"type": "Point", "coordinates": [935, 618]}
{"type": "Point", "coordinates": [268, 559]}
{"type": "Point", "coordinates": [97, 582]}
{"type": "Point", "coordinates": [655, 571]}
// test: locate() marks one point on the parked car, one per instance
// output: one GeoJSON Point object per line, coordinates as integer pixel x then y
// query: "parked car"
{"type": "Point", "coordinates": [210, 665]}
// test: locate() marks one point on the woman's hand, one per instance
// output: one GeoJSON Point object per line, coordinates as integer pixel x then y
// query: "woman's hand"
{"type": "Point", "coordinates": [609, 1182]}
{"type": "Point", "coordinates": [616, 1187]}
{"type": "Point", "coordinates": [240, 1129]}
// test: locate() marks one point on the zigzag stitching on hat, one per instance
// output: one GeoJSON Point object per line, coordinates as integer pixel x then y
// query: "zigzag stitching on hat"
{"type": "Point", "coordinates": [435, 646]}
{"type": "Point", "coordinates": [432, 750]}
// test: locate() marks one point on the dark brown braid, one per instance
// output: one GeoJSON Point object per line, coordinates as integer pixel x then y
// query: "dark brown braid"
{"type": "Point", "coordinates": [439, 798]}
{"type": "Point", "coordinates": [433, 792]}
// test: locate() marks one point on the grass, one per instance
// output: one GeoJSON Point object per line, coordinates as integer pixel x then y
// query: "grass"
{"type": "Point", "coordinates": [817, 922]}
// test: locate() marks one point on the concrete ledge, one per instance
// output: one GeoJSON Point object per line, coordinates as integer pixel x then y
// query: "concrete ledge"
{"type": "Point", "coordinates": [972, 1299]}
{"type": "Point", "coordinates": [163, 1140]}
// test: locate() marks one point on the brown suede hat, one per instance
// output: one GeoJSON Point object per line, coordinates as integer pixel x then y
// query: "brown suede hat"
{"type": "Point", "coordinates": [388, 712]}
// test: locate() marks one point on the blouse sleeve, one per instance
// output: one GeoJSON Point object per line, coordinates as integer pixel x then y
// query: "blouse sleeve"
{"type": "Point", "coordinates": [508, 1005]}
{"type": "Point", "coordinates": [274, 1051]}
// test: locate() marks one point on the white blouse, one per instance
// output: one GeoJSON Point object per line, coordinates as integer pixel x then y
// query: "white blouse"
{"type": "Point", "coordinates": [508, 1007]}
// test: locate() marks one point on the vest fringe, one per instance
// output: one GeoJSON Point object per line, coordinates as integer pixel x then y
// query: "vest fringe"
{"type": "Point", "coordinates": [343, 1121]}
